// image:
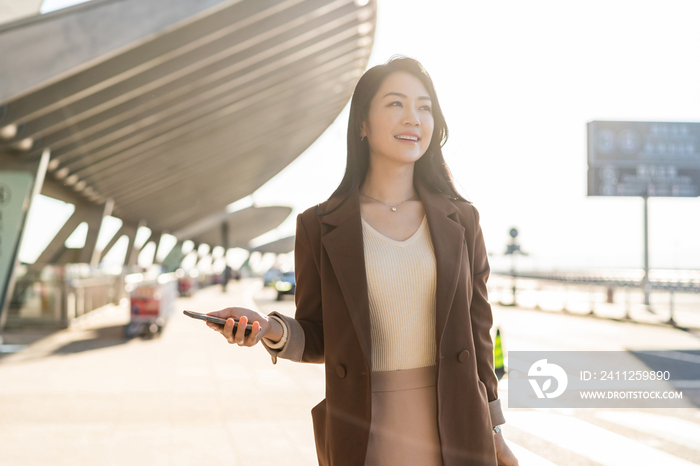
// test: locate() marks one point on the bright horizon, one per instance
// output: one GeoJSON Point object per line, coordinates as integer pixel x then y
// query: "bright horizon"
{"type": "Point", "coordinates": [518, 83]}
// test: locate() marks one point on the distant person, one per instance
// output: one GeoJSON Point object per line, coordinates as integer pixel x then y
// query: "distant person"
{"type": "Point", "coordinates": [391, 294]}
{"type": "Point", "coordinates": [226, 276]}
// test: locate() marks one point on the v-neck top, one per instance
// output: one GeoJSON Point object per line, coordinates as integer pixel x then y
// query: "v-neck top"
{"type": "Point", "coordinates": [403, 243]}
{"type": "Point", "coordinates": [401, 283]}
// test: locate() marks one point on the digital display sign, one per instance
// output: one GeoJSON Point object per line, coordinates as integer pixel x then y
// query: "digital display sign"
{"type": "Point", "coordinates": [654, 159]}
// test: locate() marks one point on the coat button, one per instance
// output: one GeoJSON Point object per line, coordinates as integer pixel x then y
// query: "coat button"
{"type": "Point", "coordinates": [463, 356]}
{"type": "Point", "coordinates": [340, 370]}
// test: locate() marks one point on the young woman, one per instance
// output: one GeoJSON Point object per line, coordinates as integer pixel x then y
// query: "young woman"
{"type": "Point", "coordinates": [391, 294]}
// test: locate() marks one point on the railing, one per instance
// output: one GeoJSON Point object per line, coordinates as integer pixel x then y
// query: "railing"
{"type": "Point", "coordinates": [60, 294]}
{"type": "Point", "coordinates": [680, 281]}
{"type": "Point", "coordinates": [86, 294]}
{"type": "Point", "coordinates": [674, 298]}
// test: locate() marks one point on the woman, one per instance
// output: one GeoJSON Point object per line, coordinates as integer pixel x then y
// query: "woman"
{"type": "Point", "coordinates": [391, 294]}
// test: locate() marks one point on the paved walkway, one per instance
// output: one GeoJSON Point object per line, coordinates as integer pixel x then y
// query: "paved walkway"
{"type": "Point", "coordinates": [87, 396]}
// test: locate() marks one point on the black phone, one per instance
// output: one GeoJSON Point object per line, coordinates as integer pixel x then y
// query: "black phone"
{"type": "Point", "coordinates": [218, 321]}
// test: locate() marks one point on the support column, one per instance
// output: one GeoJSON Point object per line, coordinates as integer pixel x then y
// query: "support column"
{"type": "Point", "coordinates": [135, 252]}
{"type": "Point", "coordinates": [132, 253]}
{"type": "Point", "coordinates": [224, 235]}
{"type": "Point", "coordinates": [20, 182]}
{"type": "Point", "coordinates": [646, 286]}
{"type": "Point", "coordinates": [121, 232]}
{"type": "Point", "coordinates": [85, 211]}
{"type": "Point", "coordinates": [174, 258]}
{"type": "Point", "coordinates": [54, 252]}
{"type": "Point", "coordinates": [91, 252]}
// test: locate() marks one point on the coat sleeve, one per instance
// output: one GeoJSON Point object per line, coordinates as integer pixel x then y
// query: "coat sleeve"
{"type": "Point", "coordinates": [305, 329]}
{"type": "Point", "coordinates": [482, 321]}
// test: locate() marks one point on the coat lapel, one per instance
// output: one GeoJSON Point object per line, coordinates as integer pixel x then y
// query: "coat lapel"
{"type": "Point", "coordinates": [345, 249]}
{"type": "Point", "coordinates": [344, 245]}
{"type": "Point", "coordinates": [447, 236]}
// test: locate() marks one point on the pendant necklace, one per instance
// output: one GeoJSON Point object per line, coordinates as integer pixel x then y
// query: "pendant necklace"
{"type": "Point", "coordinates": [393, 207]}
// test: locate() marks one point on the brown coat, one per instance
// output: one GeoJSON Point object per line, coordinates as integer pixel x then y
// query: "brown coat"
{"type": "Point", "coordinates": [332, 325]}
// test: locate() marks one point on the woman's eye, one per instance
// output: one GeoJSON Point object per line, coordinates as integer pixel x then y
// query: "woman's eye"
{"type": "Point", "coordinates": [399, 104]}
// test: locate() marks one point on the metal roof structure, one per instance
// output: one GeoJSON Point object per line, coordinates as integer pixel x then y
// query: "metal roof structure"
{"type": "Point", "coordinates": [235, 229]}
{"type": "Point", "coordinates": [163, 113]}
{"type": "Point", "coordinates": [280, 246]}
{"type": "Point", "coordinates": [173, 108]}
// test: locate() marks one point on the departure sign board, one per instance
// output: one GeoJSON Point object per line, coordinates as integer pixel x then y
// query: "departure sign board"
{"type": "Point", "coordinates": [643, 159]}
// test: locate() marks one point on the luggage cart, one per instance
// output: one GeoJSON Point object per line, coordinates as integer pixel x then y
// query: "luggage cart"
{"type": "Point", "coordinates": [152, 302]}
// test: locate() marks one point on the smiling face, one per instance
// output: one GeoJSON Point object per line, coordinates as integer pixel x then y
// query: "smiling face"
{"type": "Point", "coordinates": [400, 122]}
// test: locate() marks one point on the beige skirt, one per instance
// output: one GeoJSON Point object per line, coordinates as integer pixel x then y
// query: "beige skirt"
{"type": "Point", "coordinates": [404, 419]}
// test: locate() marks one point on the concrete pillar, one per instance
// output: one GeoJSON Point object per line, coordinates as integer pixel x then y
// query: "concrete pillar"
{"type": "Point", "coordinates": [129, 231]}
{"type": "Point", "coordinates": [224, 235]}
{"type": "Point", "coordinates": [174, 258]}
{"type": "Point", "coordinates": [91, 253]}
{"type": "Point", "coordinates": [55, 251]}
{"type": "Point", "coordinates": [121, 232]}
{"type": "Point", "coordinates": [18, 204]}
{"type": "Point", "coordinates": [132, 253]}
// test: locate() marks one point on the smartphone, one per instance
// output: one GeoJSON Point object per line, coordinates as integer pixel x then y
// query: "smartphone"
{"type": "Point", "coordinates": [218, 321]}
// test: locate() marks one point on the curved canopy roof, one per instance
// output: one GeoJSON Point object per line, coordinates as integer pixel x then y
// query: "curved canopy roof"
{"type": "Point", "coordinates": [175, 108]}
{"type": "Point", "coordinates": [281, 246]}
{"type": "Point", "coordinates": [239, 227]}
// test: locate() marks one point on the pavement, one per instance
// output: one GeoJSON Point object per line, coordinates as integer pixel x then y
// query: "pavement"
{"type": "Point", "coordinates": [86, 395]}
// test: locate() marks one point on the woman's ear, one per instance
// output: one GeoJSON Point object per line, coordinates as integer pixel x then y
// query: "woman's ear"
{"type": "Point", "coordinates": [363, 130]}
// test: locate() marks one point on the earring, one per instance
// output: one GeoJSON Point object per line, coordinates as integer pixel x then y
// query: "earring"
{"type": "Point", "coordinates": [362, 138]}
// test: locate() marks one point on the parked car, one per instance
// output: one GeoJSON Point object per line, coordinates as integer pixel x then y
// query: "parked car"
{"type": "Point", "coordinates": [285, 284]}
{"type": "Point", "coordinates": [271, 276]}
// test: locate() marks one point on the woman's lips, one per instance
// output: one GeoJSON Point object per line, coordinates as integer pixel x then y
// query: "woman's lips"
{"type": "Point", "coordinates": [408, 137]}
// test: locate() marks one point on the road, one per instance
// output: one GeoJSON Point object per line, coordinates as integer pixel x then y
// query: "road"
{"type": "Point", "coordinates": [85, 395]}
{"type": "Point", "coordinates": [590, 437]}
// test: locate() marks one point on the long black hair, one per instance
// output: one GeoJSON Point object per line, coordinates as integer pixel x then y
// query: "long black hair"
{"type": "Point", "coordinates": [430, 169]}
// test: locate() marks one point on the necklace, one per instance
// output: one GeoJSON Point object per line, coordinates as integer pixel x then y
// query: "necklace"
{"type": "Point", "coordinates": [393, 207]}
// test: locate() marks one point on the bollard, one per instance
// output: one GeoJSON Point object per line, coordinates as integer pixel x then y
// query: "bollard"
{"type": "Point", "coordinates": [670, 320]}
{"type": "Point", "coordinates": [628, 304]}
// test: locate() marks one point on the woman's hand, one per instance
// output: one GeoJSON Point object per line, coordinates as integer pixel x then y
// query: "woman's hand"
{"type": "Point", "coordinates": [261, 325]}
{"type": "Point", "coordinates": [503, 454]}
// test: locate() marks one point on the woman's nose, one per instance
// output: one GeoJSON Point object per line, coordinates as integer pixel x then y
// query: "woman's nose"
{"type": "Point", "coordinates": [411, 117]}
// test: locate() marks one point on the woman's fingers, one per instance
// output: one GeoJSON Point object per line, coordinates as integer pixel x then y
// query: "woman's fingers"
{"type": "Point", "coordinates": [224, 313]}
{"type": "Point", "coordinates": [503, 453]}
{"type": "Point", "coordinates": [213, 326]}
{"type": "Point", "coordinates": [240, 331]}
{"type": "Point", "coordinates": [238, 337]}
{"type": "Point", "coordinates": [254, 334]}
{"type": "Point", "coordinates": [227, 331]}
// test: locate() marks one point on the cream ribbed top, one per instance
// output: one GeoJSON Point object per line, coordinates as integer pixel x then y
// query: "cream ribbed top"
{"type": "Point", "coordinates": [401, 280]}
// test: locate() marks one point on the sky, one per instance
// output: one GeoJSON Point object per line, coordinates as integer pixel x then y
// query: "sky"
{"type": "Point", "coordinates": [517, 82]}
